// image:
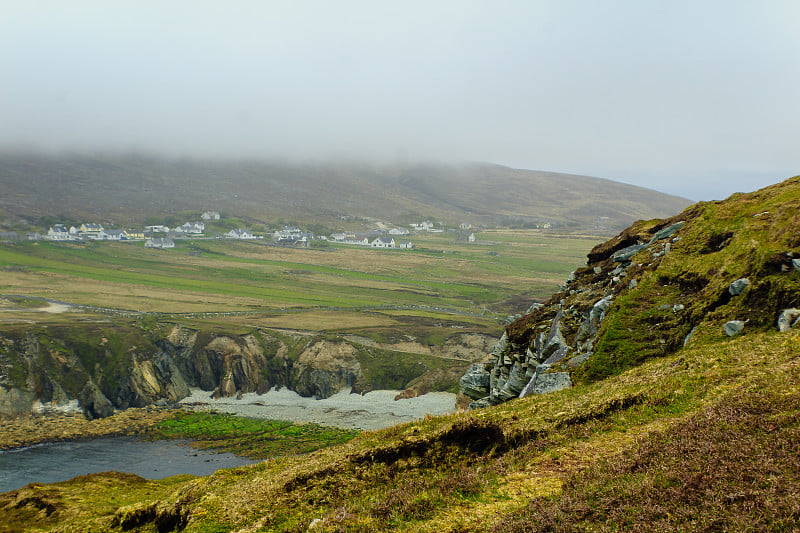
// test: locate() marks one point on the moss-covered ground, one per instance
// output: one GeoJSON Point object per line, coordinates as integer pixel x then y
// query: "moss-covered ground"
{"type": "Point", "coordinates": [248, 437]}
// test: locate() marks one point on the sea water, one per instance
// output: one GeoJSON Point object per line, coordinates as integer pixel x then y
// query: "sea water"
{"type": "Point", "coordinates": [59, 461]}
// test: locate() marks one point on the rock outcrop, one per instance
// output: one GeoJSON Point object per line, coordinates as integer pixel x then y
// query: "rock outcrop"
{"type": "Point", "coordinates": [718, 268]}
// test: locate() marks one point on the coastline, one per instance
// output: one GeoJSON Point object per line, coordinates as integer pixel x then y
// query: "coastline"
{"type": "Point", "coordinates": [371, 411]}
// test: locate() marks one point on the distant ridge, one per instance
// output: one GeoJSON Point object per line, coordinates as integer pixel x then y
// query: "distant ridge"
{"type": "Point", "coordinates": [128, 189]}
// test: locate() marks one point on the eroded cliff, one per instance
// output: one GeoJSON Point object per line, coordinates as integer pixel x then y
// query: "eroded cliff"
{"type": "Point", "coordinates": [100, 368]}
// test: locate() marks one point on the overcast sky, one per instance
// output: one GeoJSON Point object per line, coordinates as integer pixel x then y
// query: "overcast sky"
{"type": "Point", "coordinates": [699, 98]}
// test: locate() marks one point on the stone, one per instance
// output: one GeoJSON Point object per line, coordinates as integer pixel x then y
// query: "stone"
{"type": "Point", "coordinates": [665, 233]}
{"type": "Point", "coordinates": [533, 307]}
{"type": "Point", "coordinates": [788, 319]}
{"type": "Point", "coordinates": [591, 325]}
{"type": "Point", "coordinates": [578, 360]}
{"type": "Point", "coordinates": [482, 403]}
{"type": "Point", "coordinates": [14, 401]}
{"type": "Point", "coordinates": [733, 327]}
{"type": "Point", "coordinates": [677, 308]}
{"type": "Point", "coordinates": [737, 287]}
{"type": "Point", "coordinates": [475, 382]}
{"type": "Point", "coordinates": [689, 336]}
{"type": "Point", "coordinates": [555, 340]}
{"type": "Point", "coordinates": [557, 356]}
{"type": "Point", "coordinates": [626, 253]}
{"type": "Point", "coordinates": [517, 380]}
{"type": "Point", "coordinates": [95, 404]}
{"type": "Point", "coordinates": [599, 309]}
{"type": "Point", "coordinates": [546, 383]}
{"type": "Point", "coordinates": [796, 264]}
{"type": "Point", "coordinates": [500, 346]}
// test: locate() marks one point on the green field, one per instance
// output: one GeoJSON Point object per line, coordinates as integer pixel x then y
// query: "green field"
{"type": "Point", "coordinates": [501, 274]}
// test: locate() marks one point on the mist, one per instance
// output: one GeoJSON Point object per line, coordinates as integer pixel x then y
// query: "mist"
{"type": "Point", "coordinates": [693, 99]}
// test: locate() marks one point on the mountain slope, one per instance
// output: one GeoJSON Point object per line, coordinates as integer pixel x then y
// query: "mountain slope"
{"type": "Point", "coordinates": [128, 189]}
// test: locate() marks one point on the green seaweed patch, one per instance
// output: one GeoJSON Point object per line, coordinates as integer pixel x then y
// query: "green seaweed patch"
{"type": "Point", "coordinates": [248, 437]}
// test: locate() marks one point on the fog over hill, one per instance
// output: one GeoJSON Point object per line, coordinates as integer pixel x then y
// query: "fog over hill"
{"type": "Point", "coordinates": [128, 189]}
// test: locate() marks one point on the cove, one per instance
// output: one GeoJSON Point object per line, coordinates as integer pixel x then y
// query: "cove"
{"type": "Point", "coordinates": [53, 462]}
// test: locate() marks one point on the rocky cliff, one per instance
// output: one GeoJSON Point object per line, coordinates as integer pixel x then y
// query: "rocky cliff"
{"type": "Point", "coordinates": [101, 368]}
{"type": "Point", "coordinates": [717, 269]}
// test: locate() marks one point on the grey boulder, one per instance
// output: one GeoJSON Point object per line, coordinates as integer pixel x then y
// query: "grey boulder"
{"type": "Point", "coordinates": [733, 327]}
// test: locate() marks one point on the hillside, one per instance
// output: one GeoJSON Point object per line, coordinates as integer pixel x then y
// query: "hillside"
{"type": "Point", "coordinates": [671, 423]}
{"type": "Point", "coordinates": [125, 190]}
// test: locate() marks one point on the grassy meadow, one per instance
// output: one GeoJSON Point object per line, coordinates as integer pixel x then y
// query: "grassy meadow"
{"type": "Point", "coordinates": [332, 288]}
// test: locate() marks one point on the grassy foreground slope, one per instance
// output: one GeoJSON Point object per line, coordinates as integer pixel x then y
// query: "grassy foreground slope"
{"type": "Point", "coordinates": [707, 439]}
{"type": "Point", "coordinates": [696, 438]}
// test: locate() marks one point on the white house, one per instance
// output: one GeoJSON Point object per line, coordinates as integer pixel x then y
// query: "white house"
{"type": "Point", "coordinates": [210, 215]}
{"type": "Point", "coordinates": [58, 232]}
{"type": "Point", "coordinates": [398, 231]}
{"type": "Point", "coordinates": [289, 233]}
{"type": "Point", "coordinates": [88, 227]}
{"type": "Point", "coordinates": [159, 242]}
{"type": "Point", "coordinates": [157, 229]}
{"type": "Point", "coordinates": [383, 242]}
{"type": "Point", "coordinates": [193, 228]}
{"type": "Point", "coordinates": [113, 234]}
{"type": "Point", "coordinates": [92, 231]}
{"type": "Point", "coordinates": [355, 239]}
{"type": "Point", "coordinates": [422, 226]}
{"type": "Point", "coordinates": [239, 234]}
{"type": "Point", "coordinates": [406, 245]}
{"type": "Point", "coordinates": [133, 235]}
{"type": "Point", "coordinates": [471, 237]}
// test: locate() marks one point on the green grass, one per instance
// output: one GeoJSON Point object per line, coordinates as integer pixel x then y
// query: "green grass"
{"type": "Point", "coordinates": [248, 437]}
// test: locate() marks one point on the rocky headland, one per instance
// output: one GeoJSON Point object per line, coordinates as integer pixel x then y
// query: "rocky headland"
{"type": "Point", "coordinates": [716, 269]}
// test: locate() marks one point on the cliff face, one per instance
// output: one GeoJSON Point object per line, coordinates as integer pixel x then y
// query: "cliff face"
{"type": "Point", "coordinates": [100, 369]}
{"type": "Point", "coordinates": [717, 269]}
